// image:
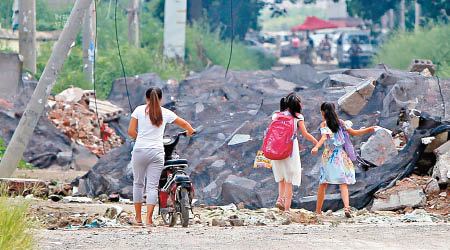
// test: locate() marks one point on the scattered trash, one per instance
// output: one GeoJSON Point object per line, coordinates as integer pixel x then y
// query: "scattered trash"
{"type": "Point", "coordinates": [77, 199]}
{"type": "Point", "coordinates": [113, 212]}
{"type": "Point", "coordinates": [238, 139]}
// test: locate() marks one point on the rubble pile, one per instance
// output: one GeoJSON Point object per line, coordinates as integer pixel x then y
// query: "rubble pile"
{"type": "Point", "coordinates": [234, 113]}
{"type": "Point", "coordinates": [70, 113]}
{"type": "Point", "coordinates": [414, 192]}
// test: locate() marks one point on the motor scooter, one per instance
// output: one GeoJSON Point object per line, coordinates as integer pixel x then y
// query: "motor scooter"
{"type": "Point", "coordinates": [176, 189]}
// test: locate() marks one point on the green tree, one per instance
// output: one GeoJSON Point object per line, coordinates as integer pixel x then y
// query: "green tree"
{"type": "Point", "coordinates": [435, 9]}
{"type": "Point", "coordinates": [369, 9]}
{"type": "Point", "coordinates": [6, 13]}
{"type": "Point", "coordinates": [217, 13]}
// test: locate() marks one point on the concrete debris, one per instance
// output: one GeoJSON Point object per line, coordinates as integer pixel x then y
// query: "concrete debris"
{"type": "Point", "coordinates": [356, 99]}
{"type": "Point", "coordinates": [70, 95]}
{"type": "Point", "coordinates": [419, 65]}
{"type": "Point", "coordinates": [105, 109]}
{"type": "Point", "coordinates": [410, 197]}
{"type": "Point", "coordinates": [441, 170]}
{"type": "Point", "coordinates": [79, 123]}
{"type": "Point", "coordinates": [341, 80]}
{"type": "Point", "coordinates": [409, 191]}
{"type": "Point", "coordinates": [379, 148]}
{"type": "Point", "coordinates": [432, 187]}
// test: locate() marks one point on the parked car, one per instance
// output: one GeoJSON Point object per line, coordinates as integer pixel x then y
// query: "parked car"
{"type": "Point", "coordinates": [344, 43]}
{"type": "Point", "coordinates": [257, 46]}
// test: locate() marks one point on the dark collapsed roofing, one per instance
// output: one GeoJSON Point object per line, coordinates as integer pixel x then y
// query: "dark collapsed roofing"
{"type": "Point", "coordinates": [243, 104]}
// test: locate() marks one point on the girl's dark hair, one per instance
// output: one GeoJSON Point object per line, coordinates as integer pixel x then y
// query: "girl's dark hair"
{"type": "Point", "coordinates": [331, 117]}
{"type": "Point", "coordinates": [293, 103]}
{"type": "Point", "coordinates": [283, 106]}
{"type": "Point", "coordinates": [153, 109]}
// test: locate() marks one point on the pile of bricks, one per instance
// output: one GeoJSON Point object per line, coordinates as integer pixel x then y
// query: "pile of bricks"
{"type": "Point", "coordinates": [80, 123]}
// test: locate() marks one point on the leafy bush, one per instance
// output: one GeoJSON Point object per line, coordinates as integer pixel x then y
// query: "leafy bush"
{"type": "Point", "coordinates": [203, 45]}
{"type": "Point", "coordinates": [16, 224]}
{"type": "Point", "coordinates": [22, 163]}
{"type": "Point", "coordinates": [430, 42]}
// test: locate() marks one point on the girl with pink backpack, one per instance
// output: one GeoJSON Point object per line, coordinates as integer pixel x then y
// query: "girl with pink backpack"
{"type": "Point", "coordinates": [337, 166]}
{"type": "Point", "coordinates": [281, 146]}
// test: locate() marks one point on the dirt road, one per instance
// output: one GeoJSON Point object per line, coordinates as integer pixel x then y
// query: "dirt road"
{"type": "Point", "coordinates": [397, 236]}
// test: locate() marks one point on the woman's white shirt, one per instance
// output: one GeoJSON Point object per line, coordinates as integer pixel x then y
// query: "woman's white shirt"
{"type": "Point", "coordinates": [149, 135]}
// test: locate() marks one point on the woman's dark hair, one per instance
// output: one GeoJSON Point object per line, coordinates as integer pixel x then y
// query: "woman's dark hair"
{"type": "Point", "coordinates": [331, 117]}
{"type": "Point", "coordinates": [153, 109]}
{"type": "Point", "coordinates": [293, 103]}
{"type": "Point", "coordinates": [283, 106]}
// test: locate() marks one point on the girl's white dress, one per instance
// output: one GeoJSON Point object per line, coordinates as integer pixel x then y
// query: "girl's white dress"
{"type": "Point", "coordinates": [289, 169]}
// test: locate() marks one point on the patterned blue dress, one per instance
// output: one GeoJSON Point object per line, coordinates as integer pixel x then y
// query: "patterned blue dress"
{"type": "Point", "coordinates": [336, 168]}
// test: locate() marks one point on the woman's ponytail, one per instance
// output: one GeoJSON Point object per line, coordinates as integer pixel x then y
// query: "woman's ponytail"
{"type": "Point", "coordinates": [331, 117]}
{"type": "Point", "coordinates": [154, 95]}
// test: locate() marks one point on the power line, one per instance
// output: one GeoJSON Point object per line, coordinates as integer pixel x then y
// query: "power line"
{"type": "Point", "coordinates": [231, 45]}
{"type": "Point", "coordinates": [120, 57]}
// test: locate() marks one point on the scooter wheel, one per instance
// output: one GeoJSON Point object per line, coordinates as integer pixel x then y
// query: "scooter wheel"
{"type": "Point", "coordinates": [184, 207]}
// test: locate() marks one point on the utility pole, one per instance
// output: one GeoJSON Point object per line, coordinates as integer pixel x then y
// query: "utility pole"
{"type": "Point", "coordinates": [133, 22]}
{"type": "Point", "coordinates": [417, 15]}
{"type": "Point", "coordinates": [27, 33]}
{"type": "Point", "coordinates": [402, 15]}
{"type": "Point", "coordinates": [89, 43]}
{"type": "Point", "coordinates": [175, 28]}
{"type": "Point", "coordinates": [33, 111]}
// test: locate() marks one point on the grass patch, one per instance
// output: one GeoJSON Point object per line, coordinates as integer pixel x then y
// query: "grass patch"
{"type": "Point", "coordinates": [22, 163]}
{"type": "Point", "coordinates": [430, 42]}
{"type": "Point", "coordinates": [16, 223]}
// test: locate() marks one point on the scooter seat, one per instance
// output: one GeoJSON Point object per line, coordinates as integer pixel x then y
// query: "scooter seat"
{"type": "Point", "coordinates": [182, 178]}
{"type": "Point", "coordinates": [175, 162]}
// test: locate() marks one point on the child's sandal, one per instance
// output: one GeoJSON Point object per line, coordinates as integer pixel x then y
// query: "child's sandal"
{"type": "Point", "coordinates": [347, 212]}
{"type": "Point", "coordinates": [280, 204]}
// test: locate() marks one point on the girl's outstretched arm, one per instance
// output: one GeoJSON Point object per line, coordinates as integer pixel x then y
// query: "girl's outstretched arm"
{"type": "Point", "coordinates": [305, 133]}
{"type": "Point", "coordinates": [319, 144]}
{"type": "Point", "coordinates": [361, 131]}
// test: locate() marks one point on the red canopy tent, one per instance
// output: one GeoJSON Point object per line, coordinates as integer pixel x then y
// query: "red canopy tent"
{"type": "Point", "coordinates": [313, 23]}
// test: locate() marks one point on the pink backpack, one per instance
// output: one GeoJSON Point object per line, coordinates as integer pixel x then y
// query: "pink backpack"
{"type": "Point", "coordinates": [279, 139]}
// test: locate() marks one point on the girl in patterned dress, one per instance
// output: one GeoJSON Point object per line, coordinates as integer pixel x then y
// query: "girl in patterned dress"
{"type": "Point", "coordinates": [336, 168]}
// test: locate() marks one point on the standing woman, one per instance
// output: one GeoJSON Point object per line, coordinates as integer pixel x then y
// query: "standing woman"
{"type": "Point", "coordinates": [288, 172]}
{"type": "Point", "coordinates": [147, 128]}
{"type": "Point", "coordinates": [336, 168]}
